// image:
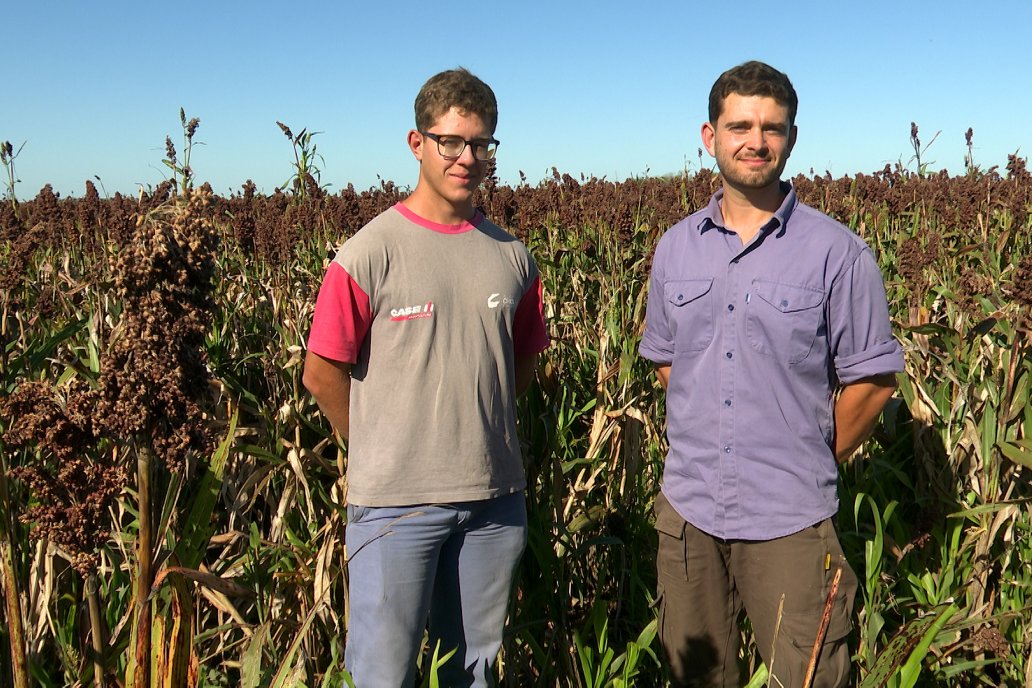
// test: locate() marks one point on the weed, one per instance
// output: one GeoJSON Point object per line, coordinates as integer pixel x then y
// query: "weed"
{"type": "Point", "coordinates": [304, 182]}
{"type": "Point", "coordinates": [7, 156]}
{"type": "Point", "coordinates": [182, 172]}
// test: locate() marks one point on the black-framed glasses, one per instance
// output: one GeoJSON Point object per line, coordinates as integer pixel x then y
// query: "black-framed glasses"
{"type": "Point", "coordinates": [451, 147]}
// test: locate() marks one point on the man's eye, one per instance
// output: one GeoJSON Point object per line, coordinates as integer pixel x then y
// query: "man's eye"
{"type": "Point", "coordinates": [451, 141]}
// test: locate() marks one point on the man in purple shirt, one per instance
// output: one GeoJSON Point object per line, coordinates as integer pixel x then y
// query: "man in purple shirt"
{"type": "Point", "coordinates": [769, 328]}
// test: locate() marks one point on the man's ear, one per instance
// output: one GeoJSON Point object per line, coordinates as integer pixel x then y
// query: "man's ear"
{"type": "Point", "coordinates": [415, 144]}
{"type": "Point", "coordinates": [709, 134]}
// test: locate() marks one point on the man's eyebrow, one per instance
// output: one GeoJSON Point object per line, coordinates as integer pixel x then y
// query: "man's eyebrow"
{"type": "Point", "coordinates": [779, 125]}
{"type": "Point", "coordinates": [480, 139]}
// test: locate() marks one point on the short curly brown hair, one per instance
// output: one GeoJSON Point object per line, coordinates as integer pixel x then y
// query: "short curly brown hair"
{"type": "Point", "coordinates": [456, 88]}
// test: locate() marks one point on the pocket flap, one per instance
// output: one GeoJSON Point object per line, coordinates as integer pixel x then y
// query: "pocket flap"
{"type": "Point", "coordinates": [681, 292]}
{"type": "Point", "coordinates": [788, 298]}
{"type": "Point", "coordinates": [668, 521]}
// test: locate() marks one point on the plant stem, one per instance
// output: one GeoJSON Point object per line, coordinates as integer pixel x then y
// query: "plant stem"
{"type": "Point", "coordinates": [97, 630]}
{"type": "Point", "coordinates": [822, 629]}
{"type": "Point", "coordinates": [145, 548]}
{"type": "Point", "coordinates": [8, 577]}
{"type": "Point", "coordinates": [15, 630]}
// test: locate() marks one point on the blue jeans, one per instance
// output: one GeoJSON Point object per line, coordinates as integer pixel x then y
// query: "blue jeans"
{"type": "Point", "coordinates": [450, 563]}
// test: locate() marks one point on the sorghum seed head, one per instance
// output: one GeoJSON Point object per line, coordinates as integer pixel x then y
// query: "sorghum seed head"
{"type": "Point", "coordinates": [170, 150]}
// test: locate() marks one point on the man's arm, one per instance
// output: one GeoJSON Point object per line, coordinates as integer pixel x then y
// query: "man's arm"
{"type": "Point", "coordinates": [330, 384]}
{"type": "Point", "coordinates": [663, 374]}
{"type": "Point", "coordinates": [525, 366]}
{"type": "Point", "coordinates": [857, 409]}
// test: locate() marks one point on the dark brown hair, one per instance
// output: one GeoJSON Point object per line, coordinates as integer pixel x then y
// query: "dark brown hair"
{"type": "Point", "coordinates": [753, 79]}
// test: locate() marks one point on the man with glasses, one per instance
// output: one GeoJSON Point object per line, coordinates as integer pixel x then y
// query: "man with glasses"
{"type": "Point", "coordinates": [768, 325]}
{"type": "Point", "coordinates": [426, 329]}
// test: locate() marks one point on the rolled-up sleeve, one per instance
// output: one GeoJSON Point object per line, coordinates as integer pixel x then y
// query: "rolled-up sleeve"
{"type": "Point", "coordinates": [657, 343]}
{"type": "Point", "coordinates": [861, 333]}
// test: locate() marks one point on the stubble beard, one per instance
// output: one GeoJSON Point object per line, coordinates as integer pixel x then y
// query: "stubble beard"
{"type": "Point", "coordinates": [755, 179]}
{"type": "Point", "coordinates": [731, 169]}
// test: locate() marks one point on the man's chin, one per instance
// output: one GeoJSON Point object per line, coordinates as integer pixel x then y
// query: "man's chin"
{"type": "Point", "coordinates": [754, 181]}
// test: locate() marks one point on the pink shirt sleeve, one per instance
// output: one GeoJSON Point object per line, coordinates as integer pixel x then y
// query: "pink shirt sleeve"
{"type": "Point", "coordinates": [342, 317]}
{"type": "Point", "coordinates": [529, 335]}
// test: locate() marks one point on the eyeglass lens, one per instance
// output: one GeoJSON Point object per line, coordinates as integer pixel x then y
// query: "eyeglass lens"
{"type": "Point", "coordinates": [452, 147]}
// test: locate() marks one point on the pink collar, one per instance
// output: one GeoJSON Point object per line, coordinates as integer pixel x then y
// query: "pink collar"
{"type": "Point", "coordinates": [464, 226]}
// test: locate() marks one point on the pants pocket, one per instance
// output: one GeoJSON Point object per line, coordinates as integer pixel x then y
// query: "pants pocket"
{"type": "Point", "coordinates": [800, 626]}
{"type": "Point", "coordinates": [672, 553]}
{"type": "Point", "coordinates": [356, 512]}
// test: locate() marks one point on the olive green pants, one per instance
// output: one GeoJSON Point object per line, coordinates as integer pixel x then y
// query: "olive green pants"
{"type": "Point", "coordinates": [705, 583]}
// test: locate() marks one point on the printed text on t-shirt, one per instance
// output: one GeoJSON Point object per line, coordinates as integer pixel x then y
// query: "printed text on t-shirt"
{"type": "Point", "coordinates": [412, 312]}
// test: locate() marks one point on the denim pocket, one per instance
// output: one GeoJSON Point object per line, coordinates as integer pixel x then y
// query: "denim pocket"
{"type": "Point", "coordinates": [691, 312]}
{"type": "Point", "coordinates": [784, 320]}
{"type": "Point", "coordinates": [356, 513]}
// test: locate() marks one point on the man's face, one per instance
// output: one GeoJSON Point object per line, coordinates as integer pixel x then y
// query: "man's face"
{"type": "Point", "coordinates": [452, 180]}
{"type": "Point", "coordinates": [751, 141]}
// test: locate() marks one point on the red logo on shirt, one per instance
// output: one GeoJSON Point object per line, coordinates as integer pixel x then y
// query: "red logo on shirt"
{"type": "Point", "coordinates": [412, 312]}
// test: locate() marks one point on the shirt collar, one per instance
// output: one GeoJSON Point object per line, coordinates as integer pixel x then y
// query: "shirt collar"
{"type": "Point", "coordinates": [711, 217]}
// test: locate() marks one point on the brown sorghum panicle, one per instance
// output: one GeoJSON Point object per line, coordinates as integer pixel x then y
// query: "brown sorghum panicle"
{"type": "Point", "coordinates": [155, 373]}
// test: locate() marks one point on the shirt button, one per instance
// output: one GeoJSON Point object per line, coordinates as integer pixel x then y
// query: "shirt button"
{"type": "Point", "coordinates": [784, 304]}
{"type": "Point", "coordinates": [728, 354]}
{"type": "Point", "coordinates": [727, 448]}
{"type": "Point", "coordinates": [727, 402]}
{"type": "Point", "coordinates": [730, 306]}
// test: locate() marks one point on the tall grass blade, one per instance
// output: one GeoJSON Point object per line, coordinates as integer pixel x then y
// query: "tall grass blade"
{"type": "Point", "coordinates": [198, 526]}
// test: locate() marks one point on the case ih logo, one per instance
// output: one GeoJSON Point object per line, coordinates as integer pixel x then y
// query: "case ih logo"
{"type": "Point", "coordinates": [413, 312]}
{"type": "Point", "coordinates": [495, 300]}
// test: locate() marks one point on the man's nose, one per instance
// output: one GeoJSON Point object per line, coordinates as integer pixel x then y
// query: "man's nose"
{"type": "Point", "coordinates": [466, 157]}
{"type": "Point", "coordinates": [757, 139]}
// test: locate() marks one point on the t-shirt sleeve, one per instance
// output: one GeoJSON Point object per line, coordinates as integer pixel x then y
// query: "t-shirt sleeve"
{"type": "Point", "coordinates": [342, 317]}
{"type": "Point", "coordinates": [862, 341]}
{"type": "Point", "coordinates": [529, 334]}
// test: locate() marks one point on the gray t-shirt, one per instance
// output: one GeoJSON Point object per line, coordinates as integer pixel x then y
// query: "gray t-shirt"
{"type": "Point", "coordinates": [431, 318]}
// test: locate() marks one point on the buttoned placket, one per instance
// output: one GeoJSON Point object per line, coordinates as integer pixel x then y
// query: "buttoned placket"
{"type": "Point", "coordinates": [727, 505]}
{"type": "Point", "coordinates": [727, 508]}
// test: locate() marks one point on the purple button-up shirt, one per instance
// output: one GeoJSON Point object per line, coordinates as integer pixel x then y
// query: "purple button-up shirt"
{"type": "Point", "coordinates": [758, 337]}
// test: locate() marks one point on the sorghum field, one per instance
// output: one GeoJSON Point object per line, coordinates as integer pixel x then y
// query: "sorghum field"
{"type": "Point", "coordinates": [171, 500]}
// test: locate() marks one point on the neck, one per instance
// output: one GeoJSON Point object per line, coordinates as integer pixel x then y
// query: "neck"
{"type": "Point", "coordinates": [432, 207]}
{"type": "Point", "coordinates": [745, 211]}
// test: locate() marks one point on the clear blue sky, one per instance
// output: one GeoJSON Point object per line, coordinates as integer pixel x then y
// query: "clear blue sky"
{"type": "Point", "coordinates": [604, 88]}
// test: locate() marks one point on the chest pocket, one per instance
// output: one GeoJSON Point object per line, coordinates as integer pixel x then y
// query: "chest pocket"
{"type": "Point", "coordinates": [784, 320]}
{"type": "Point", "coordinates": [690, 305]}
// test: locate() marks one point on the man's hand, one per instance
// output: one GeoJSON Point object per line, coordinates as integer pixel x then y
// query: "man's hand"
{"type": "Point", "coordinates": [663, 374]}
